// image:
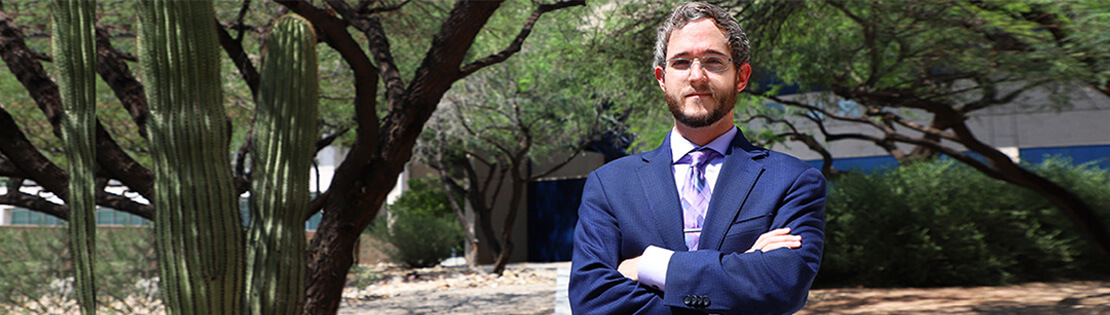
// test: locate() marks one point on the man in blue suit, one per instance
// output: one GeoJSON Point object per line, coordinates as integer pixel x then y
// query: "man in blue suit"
{"type": "Point", "coordinates": [707, 222]}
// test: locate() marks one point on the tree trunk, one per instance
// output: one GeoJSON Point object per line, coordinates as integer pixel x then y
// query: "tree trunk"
{"type": "Point", "coordinates": [331, 256]}
{"type": "Point", "coordinates": [453, 189]}
{"type": "Point", "coordinates": [507, 228]}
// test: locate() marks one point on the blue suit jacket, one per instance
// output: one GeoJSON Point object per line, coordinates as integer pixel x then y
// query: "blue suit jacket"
{"type": "Point", "coordinates": [632, 203]}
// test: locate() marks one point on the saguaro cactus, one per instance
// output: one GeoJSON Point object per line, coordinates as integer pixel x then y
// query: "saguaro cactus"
{"type": "Point", "coordinates": [198, 229]}
{"type": "Point", "coordinates": [75, 62]}
{"type": "Point", "coordinates": [283, 148]}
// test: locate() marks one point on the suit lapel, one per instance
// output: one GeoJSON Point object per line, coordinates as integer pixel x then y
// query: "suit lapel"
{"type": "Point", "coordinates": [739, 173]}
{"type": "Point", "coordinates": [657, 182]}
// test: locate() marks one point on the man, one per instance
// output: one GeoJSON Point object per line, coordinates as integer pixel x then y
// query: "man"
{"type": "Point", "coordinates": [707, 222]}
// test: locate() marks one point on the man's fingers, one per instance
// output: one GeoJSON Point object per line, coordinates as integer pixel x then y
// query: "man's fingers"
{"type": "Point", "coordinates": [775, 239]}
{"type": "Point", "coordinates": [788, 244]}
{"type": "Point", "coordinates": [630, 268]}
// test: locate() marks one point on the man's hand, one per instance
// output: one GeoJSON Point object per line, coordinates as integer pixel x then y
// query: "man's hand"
{"type": "Point", "coordinates": [773, 240]}
{"type": "Point", "coordinates": [630, 268]}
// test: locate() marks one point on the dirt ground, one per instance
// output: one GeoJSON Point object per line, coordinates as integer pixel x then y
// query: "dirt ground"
{"type": "Point", "coordinates": [531, 289]}
{"type": "Point", "coordinates": [1072, 297]}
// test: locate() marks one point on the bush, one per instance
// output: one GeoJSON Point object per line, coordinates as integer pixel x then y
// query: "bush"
{"type": "Point", "coordinates": [943, 223]}
{"type": "Point", "coordinates": [36, 271]}
{"type": "Point", "coordinates": [421, 226]}
{"type": "Point", "coordinates": [33, 269]}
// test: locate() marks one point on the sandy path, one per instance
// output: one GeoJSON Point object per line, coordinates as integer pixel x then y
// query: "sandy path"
{"type": "Point", "coordinates": [531, 289]}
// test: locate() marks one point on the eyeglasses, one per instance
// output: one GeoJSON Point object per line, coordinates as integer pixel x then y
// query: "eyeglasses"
{"type": "Point", "coordinates": [711, 63]}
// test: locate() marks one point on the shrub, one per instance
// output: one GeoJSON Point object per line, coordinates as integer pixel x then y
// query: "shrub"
{"type": "Point", "coordinates": [33, 269]}
{"type": "Point", "coordinates": [36, 272]}
{"type": "Point", "coordinates": [421, 226]}
{"type": "Point", "coordinates": [127, 270]}
{"type": "Point", "coordinates": [943, 223]}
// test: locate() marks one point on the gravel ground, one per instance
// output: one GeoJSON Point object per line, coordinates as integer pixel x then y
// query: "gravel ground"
{"type": "Point", "coordinates": [531, 289]}
{"type": "Point", "coordinates": [522, 289]}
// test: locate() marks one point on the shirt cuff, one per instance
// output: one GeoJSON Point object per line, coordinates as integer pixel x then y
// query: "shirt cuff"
{"type": "Point", "coordinates": [653, 266]}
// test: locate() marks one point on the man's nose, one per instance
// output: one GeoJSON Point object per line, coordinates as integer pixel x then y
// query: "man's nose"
{"type": "Point", "coordinates": [696, 72]}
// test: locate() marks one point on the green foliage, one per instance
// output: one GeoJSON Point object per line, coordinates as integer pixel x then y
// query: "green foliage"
{"type": "Point", "coordinates": [943, 223]}
{"type": "Point", "coordinates": [951, 52]}
{"type": "Point", "coordinates": [126, 271]}
{"type": "Point", "coordinates": [422, 227]}
{"type": "Point", "coordinates": [542, 102]}
{"type": "Point", "coordinates": [37, 279]}
{"type": "Point", "coordinates": [362, 277]}
{"type": "Point", "coordinates": [29, 260]}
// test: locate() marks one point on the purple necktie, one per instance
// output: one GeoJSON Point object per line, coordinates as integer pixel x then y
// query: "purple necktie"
{"type": "Point", "coordinates": [695, 196]}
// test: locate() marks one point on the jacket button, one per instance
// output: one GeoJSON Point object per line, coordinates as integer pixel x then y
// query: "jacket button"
{"type": "Point", "coordinates": [706, 301]}
{"type": "Point", "coordinates": [688, 300]}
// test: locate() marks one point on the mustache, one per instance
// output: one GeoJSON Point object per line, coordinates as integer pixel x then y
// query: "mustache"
{"type": "Point", "coordinates": [701, 89]}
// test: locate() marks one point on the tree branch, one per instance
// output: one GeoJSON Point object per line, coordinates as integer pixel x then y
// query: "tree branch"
{"type": "Point", "coordinates": [24, 156]}
{"type": "Point", "coordinates": [7, 169]}
{"type": "Point", "coordinates": [35, 203]}
{"type": "Point", "coordinates": [379, 48]}
{"type": "Point", "coordinates": [110, 66]}
{"type": "Point", "coordinates": [365, 9]}
{"type": "Point", "coordinates": [21, 61]}
{"type": "Point", "coordinates": [234, 49]}
{"type": "Point", "coordinates": [826, 113]}
{"type": "Point", "coordinates": [387, 68]}
{"type": "Point", "coordinates": [124, 204]}
{"type": "Point", "coordinates": [888, 116]}
{"type": "Point", "coordinates": [517, 42]}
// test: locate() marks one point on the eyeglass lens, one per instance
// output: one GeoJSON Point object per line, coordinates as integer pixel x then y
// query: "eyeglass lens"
{"type": "Point", "coordinates": [714, 63]}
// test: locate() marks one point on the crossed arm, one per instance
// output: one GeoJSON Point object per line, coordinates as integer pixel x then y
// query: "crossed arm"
{"type": "Point", "coordinates": [775, 239]}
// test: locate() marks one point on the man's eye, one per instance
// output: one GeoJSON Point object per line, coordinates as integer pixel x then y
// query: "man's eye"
{"type": "Point", "coordinates": [713, 61]}
{"type": "Point", "coordinates": [680, 64]}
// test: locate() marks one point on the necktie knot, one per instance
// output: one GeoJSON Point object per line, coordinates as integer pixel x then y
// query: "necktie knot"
{"type": "Point", "coordinates": [699, 158]}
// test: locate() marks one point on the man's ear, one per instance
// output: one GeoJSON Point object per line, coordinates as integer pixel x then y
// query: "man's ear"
{"type": "Point", "coordinates": [743, 73]}
{"type": "Point", "coordinates": [659, 77]}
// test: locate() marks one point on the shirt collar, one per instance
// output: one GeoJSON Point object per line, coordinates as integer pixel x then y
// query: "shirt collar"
{"type": "Point", "coordinates": [680, 146]}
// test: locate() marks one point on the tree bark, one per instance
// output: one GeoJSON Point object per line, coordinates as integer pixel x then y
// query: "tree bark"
{"type": "Point", "coordinates": [361, 185]}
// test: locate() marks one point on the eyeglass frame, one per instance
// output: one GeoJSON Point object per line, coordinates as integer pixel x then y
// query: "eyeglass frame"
{"type": "Point", "coordinates": [668, 63]}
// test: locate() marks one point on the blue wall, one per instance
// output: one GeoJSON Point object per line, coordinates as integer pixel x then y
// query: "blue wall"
{"type": "Point", "coordinates": [1097, 154]}
{"type": "Point", "coordinates": [866, 165]}
{"type": "Point", "coordinates": [552, 214]}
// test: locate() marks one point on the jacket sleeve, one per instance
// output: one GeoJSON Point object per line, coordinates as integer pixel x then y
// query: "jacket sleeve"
{"type": "Point", "coordinates": [774, 282]}
{"type": "Point", "coordinates": [596, 287]}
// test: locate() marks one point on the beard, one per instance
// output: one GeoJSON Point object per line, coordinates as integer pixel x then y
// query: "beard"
{"type": "Point", "coordinates": [724, 106]}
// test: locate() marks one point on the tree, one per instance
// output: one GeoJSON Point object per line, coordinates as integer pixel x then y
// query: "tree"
{"type": "Point", "coordinates": [521, 121]}
{"type": "Point", "coordinates": [885, 64]}
{"type": "Point", "coordinates": [382, 143]}
{"type": "Point", "coordinates": [493, 123]}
